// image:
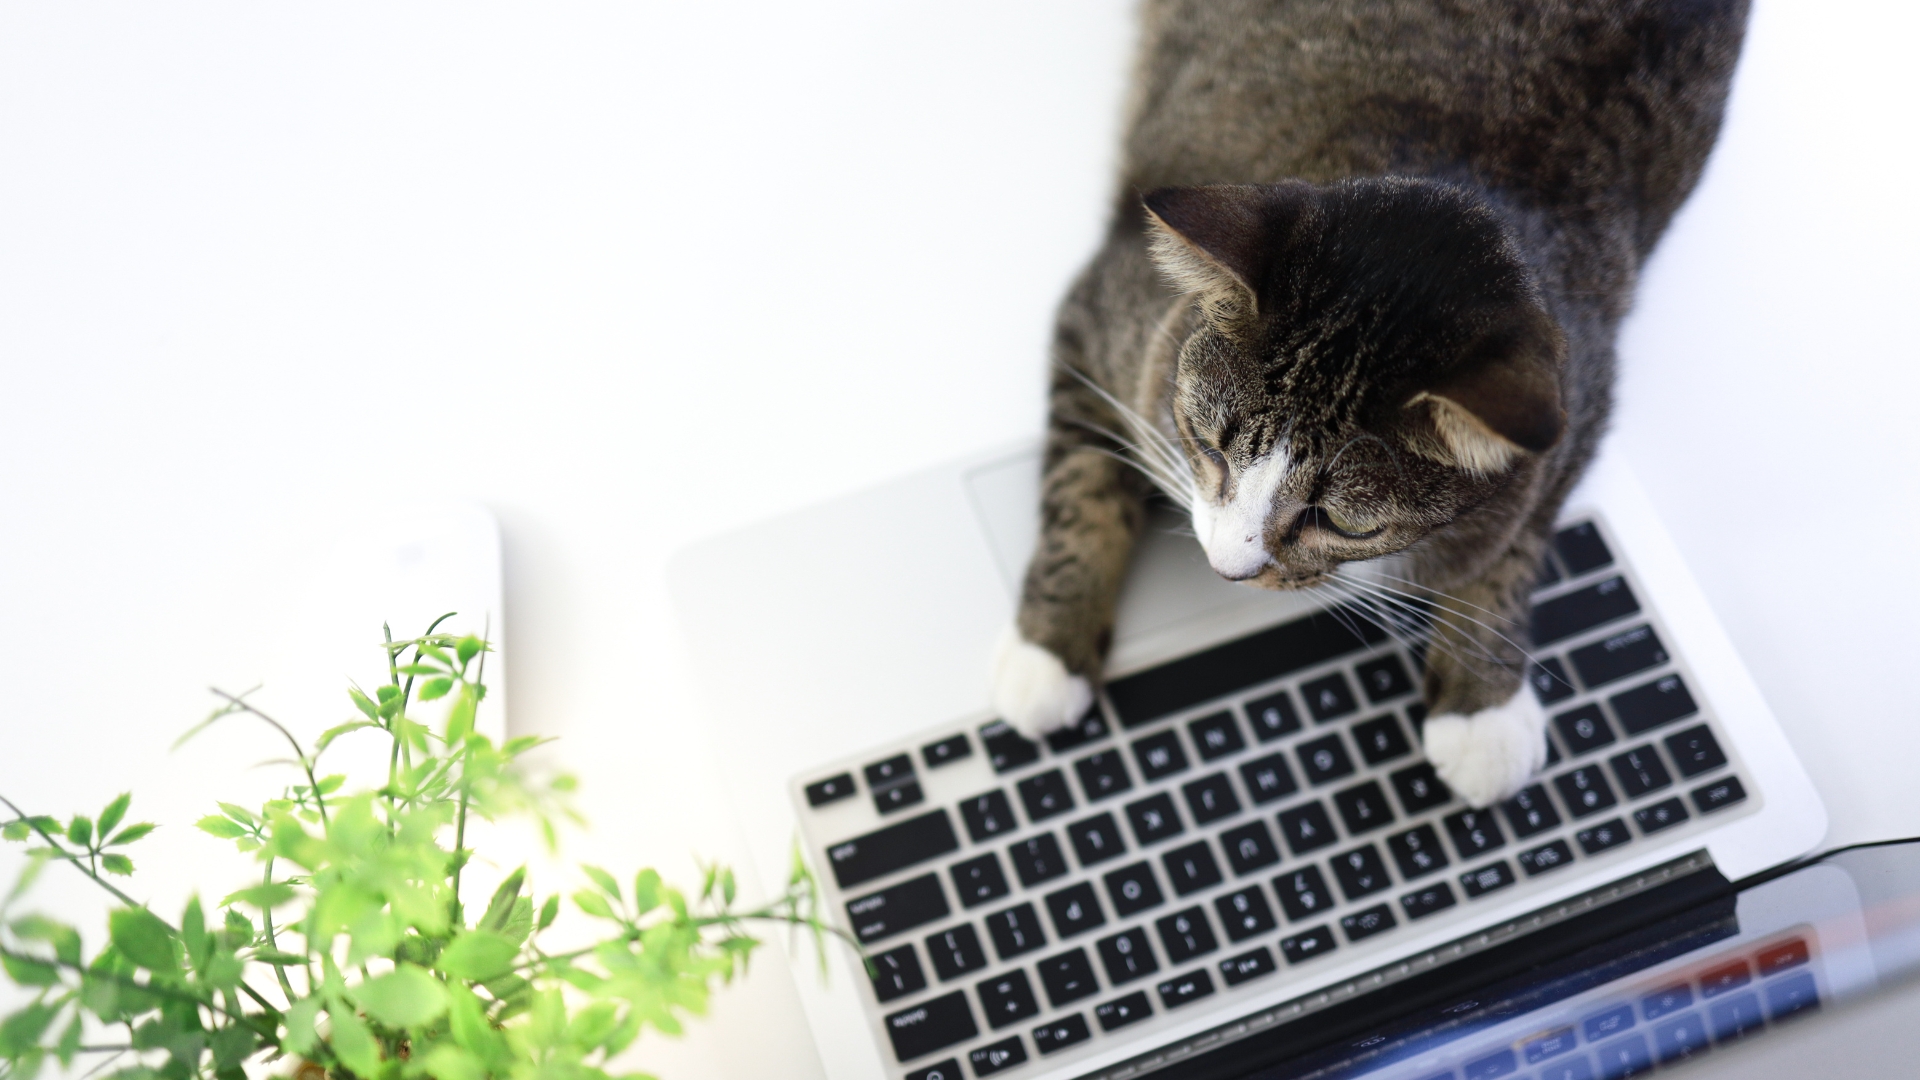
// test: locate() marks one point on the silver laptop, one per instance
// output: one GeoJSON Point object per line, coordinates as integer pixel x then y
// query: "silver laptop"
{"type": "Point", "coordinates": [1242, 836]}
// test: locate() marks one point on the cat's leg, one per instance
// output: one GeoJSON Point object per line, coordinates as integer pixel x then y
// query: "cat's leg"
{"type": "Point", "coordinates": [1091, 508]}
{"type": "Point", "coordinates": [1485, 732]}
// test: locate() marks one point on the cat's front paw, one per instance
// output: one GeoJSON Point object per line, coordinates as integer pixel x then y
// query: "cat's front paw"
{"type": "Point", "coordinates": [1490, 755]}
{"type": "Point", "coordinates": [1033, 690]}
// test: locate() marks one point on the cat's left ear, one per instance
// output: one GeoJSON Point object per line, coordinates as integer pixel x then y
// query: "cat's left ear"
{"type": "Point", "coordinates": [1218, 242]}
{"type": "Point", "coordinates": [1502, 399]}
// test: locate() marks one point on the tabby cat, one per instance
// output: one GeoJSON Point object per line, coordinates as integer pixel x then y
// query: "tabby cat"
{"type": "Point", "coordinates": [1356, 313]}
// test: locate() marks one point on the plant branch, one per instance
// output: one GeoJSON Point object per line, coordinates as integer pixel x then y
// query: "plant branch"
{"type": "Point", "coordinates": [67, 855]}
{"type": "Point", "coordinates": [306, 763]}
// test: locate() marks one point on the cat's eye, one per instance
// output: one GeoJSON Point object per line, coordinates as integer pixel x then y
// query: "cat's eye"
{"type": "Point", "coordinates": [1346, 525]}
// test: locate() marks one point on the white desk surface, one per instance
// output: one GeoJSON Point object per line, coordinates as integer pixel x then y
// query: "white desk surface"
{"type": "Point", "coordinates": [655, 271]}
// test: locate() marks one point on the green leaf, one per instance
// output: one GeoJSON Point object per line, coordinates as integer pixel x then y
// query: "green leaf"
{"type": "Point", "coordinates": [15, 830]}
{"type": "Point", "coordinates": [115, 811]}
{"type": "Point", "coordinates": [353, 1043]}
{"type": "Point", "coordinates": [131, 833]}
{"type": "Point", "coordinates": [301, 1038]}
{"type": "Point", "coordinates": [500, 908]}
{"type": "Point", "coordinates": [81, 831]}
{"type": "Point", "coordinates": [114, 863]}
{"type": "Point", "coordinates": [726, 885]}
{"type": "Point", "coordinates": [549, 911]}
{"type": "Point", "coordinates": [223, 827]}
{"type": "Point", "coordinates": [460, 717]}
{"type": "Point", "coordinates": [29, 971]}
{"type": "Point", "coordinates": [64, 939]}
{"type": "Point", "coordinates": [478, 955]}
{"type": "Point", "coordinates": [142, 938]}
{"type": "Point", "coordinates": [69, 1044]}
{"type": "Point", "coordinates": [603, 879]}
{"type": "Point", "coordinates": [406, 997]}
{"type": "Point", "coordinates": [388, 693]}
{"type": "Point", "coordinates": [330, 784]}
{"type": "Point", "coordinates": [469, 648]}
{"type": "Point", "coordinates": [420, 669]}
{"type": "Point", "coordinates": [646, 891]}
{"type": "Point", "coordinates": [361, 702]}
{"type": "Point", "coordinates": [193, 932]}
{"type": "Point", "coordinates": [231, 1045]}
{"type": "Point", "coordinates": [277, 958]}
{"type": "Point", "coordinates": [348, 728]}
{"type": "Point", "coordinates": [593, 904]}
{"type": "Point", "coordinates": [446, 1061]}
{"type": "Point", "coordinates": [21, 1032]}
{"type": "Point", "coordinates": [435, 688]}
{"type": "Point", "coordinates": [265, 897]}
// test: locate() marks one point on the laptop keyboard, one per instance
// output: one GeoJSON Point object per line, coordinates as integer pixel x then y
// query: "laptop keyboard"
{"type": "Point", "coordinates": [1227, 817]}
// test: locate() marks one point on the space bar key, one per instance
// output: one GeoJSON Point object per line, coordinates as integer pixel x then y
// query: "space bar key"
{"type": "Point", "coordinates": [896, 847]}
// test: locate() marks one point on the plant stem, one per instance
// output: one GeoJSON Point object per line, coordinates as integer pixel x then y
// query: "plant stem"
{"type": "Point", "coordinates": [306, 763]}
{"type": "Point", "coordinates": [67, 855]}
{"type": "Point", "coordinates": [266, 918]}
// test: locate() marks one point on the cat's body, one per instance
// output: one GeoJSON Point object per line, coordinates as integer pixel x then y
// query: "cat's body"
{"type": "Point", "coordinates": [1400, 345]}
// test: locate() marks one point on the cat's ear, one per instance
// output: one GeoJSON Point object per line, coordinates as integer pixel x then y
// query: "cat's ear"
{"type": "Point", "coordinates": [1218, 242]}
{"type": "Point", "coordinates": [1502, 399]}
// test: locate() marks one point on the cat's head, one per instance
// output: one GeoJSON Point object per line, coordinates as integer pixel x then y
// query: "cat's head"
{"type": "Point", "coordinates": [1371, 359]}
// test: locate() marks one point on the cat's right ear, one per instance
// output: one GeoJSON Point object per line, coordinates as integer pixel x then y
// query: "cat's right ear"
{"type": "Point", "coordinates": [1218, 242]}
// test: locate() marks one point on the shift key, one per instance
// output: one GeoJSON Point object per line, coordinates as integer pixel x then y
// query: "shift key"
{"type": "Point", "coordinates": [897, 907]}
{"type": "Point", "coordinates": [895, 847]}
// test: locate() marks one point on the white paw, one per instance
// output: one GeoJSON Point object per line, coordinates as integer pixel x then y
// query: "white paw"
{"type": "Point", "coordinates": [1033, 690]}
{"type": "Point", "coordinates": [1490, 755]}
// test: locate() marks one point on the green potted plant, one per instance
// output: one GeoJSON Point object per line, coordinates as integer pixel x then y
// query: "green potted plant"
{"type": "Point", "coordinates": [357, 954]}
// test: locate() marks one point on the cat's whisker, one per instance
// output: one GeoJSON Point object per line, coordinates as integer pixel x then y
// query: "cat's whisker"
{"type": "Point", "coordinates": [1149, 440]}
{"type": "Point", "coordinates": [1458, 621]}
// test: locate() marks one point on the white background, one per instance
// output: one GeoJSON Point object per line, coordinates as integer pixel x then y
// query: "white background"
{"type": "Point", "coordinates": [630, 275]}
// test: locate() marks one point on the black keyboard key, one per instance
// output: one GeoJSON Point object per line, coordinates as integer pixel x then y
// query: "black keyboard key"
{"type": "Point", "coordinates": [1529, 812]}
{"type": "Point", "coordinates": [1581, 549]}
{"type": "Point", "coordinates": [1007, 998]}
{"type": "Point", "coordinates": [1268, 778]}
{"type": "Point", "coordinates": [1363, 807]}
{"type": "Point", "coordinates": [1185, 935]}
{"type": "Point", "coordinates": [1126, 956]}
{"type": "Point", "coordinates": [1735, 1017]}
{"type": "Point", "coordinates": [1037, 859]}
{"type": "Point", "coordinates": [1661, 701]}
{"type": "Point", "coordinates": [1547, 575]}
{"type": "Point", "coordinates": [891, 771]}
{"type": "Point", "coordinates": [1324, 759]}
{"type": "Point", "coordinates": [1235, 970]}
{"type": "Point", "coordinates": [1302, 947]}
{"type": "Point", "coordinates": [1619, 656]}
{"type": "Point", "coordinates": [1552, 1044]}
{"type": "Point", "coordinates": [1680, 1040]}
{"type": "Point", "coordinates": [988, 816]}
{"type": "Point", "coordinates": [1639, 771]}
{"type": "Point", "coordinates": [1585, 790]}
{"type": "Point", "coordinates": [1075, 910]}
{"type": "Point", "coordinates": [1584, 729]}
{"type": "Point", "coordinates": [1273, 717]}
{"type": "Point", "coordinates": [1360, 872]}
{"type": "Point", "coordinates": [1067, 977]}
{"type": "Point", "coordinates": [1118, 1013]}
{"type": "Point", "coordinates": [1493, 1065]}
{"type": "Point", "coordinates": [946, 751]}
{"type": "Point", "coordinates": [1096, 839]}
{"type": "Point", "coordinates": [1216, 735]}
{"type": "Point", "coordinates": [1384, 679]}
{"type": "Point", "coordinates": [1061, 1033]}
{"type": "Point", "coordinates": [1245, 913]}
{"type": "Point", "coordinates": [1553, 755]}
{"type": "Point", "coordinates": [1015, 931]}
{"type": "Point", "coordinates": [1364, 924]}
{"type": "Point", "coordinates": [1582, 609]}
{"type": "Point", "coordinates": [1420, 788]}
{"type": "Point", "coordinates": [895, 847]}
{"type": "Point", "coordinates": [898, 797]}
{"type": "Point", "coordinates": [1719, 794]}
{"type": "Point", "coordinates": [1607, 835]}
{"type": "Point", "coordinates": [1607, 1022]}
{"type": "Point", "coordinates": [1474, 833]}
{"type": "Point", "coordinates": [931, 1025]}
{"type": "Point", "coordinates": [956, 952]}
{"type": "Point", "coordinates": [1381, 739]}
{"type": "Point", "coordinates": [1695, 751]}
{"type": "Point", "coordinates": [911, 903]}
{"type": "Point", "coordinates": [1486, 879]}
{"type": "Point", "coordinates": [940, 1070]}
{"type": "Point", "coordinates": [1210, 798]}
{"type": "Point", "coordinates": [1424, 902]}
{"type": "Point", "coordinates": [1550, 856]}
{"type": "Point", "coordinates": [1225, 669]}
{"type": "Point", "coordinates": [1007, 749]}
{"type": "Point", "coordinates": [1417, 852]}
{"type": "Point", "coordinates": [1791, 995]}
{"type": "Point", "coordinates": [1550, 681]}
{"type": "Point", "coordinates": [1661, 815]}
{"type": "Point", "coordinates": [1159, 755]}
{"type": "Point", "coordinates": [1102, 774]}
{"type": "Point", "coordinates": [1307, 828]}
{"type": "Point", "coordinates": [1329, 697]}
{"type": "Point", "coordinates": [1191, 867]}
{"type": "Point", "coordinates": [1154, 819]}
{"type": "Point", "coordinates": [1667, 999]}
{"type": "Point", "coordinates": [1088, 728]}
{"type": "Point", "coordinates": [1045, 795]}
{"type": "Point", "coordinates": [1133, 889]}
{"type": "Point", "coordinates": [979, 880]}
{"type": "Point", "coordinates": [1303, 893]}
{"type": "Point", "coordinates": [1182, 989]}
{"type": "Point", "coordinates": [1249, 847]}
{"type": "Point", "coordinates": [896, 973]}
{"type": "Point", "coordinates": [832, 789]}
{"type": "Point", "coordinates": [998, 1056]}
